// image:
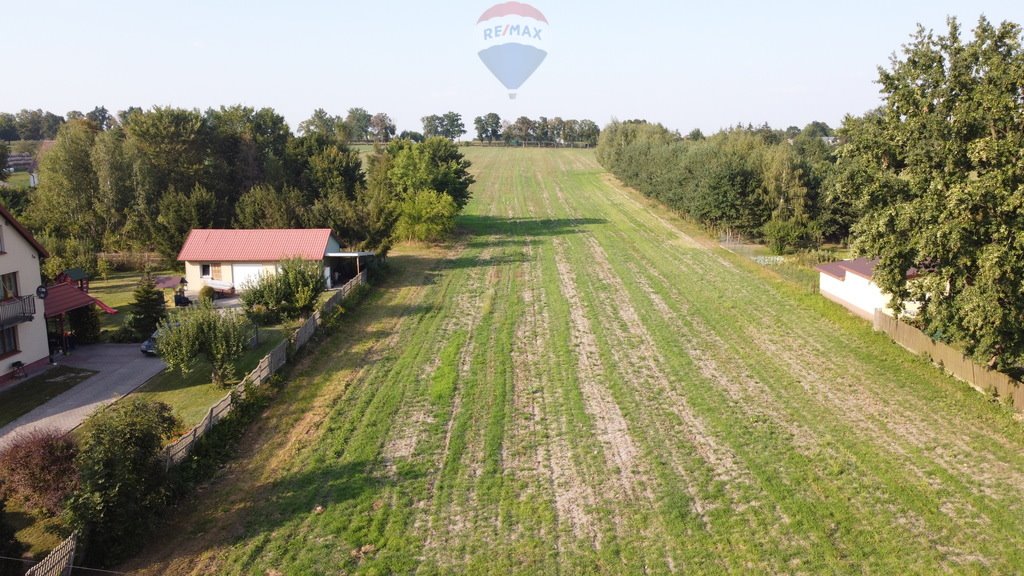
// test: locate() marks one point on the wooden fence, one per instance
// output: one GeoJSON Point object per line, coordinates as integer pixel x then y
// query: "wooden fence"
{"type": "Point", "coordinates": [952, 361]}
{"type": "Point", "coordinates": [269, 365]}
{"type": "Point", "coordinates": [59, 561]}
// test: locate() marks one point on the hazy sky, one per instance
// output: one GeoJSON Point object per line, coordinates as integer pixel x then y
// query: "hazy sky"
{"type": "Point", "coordinates": [686, 64]}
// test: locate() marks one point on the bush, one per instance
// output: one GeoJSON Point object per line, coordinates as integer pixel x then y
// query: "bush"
{"type": "Point", "coordinates": [291, 293]}
{"type": "Point", "coordinates": [207, 294]}
{"type": "Point", "coordinates": [121, 477]}
{"type": "Point", "coordinates": [85, 323]}
{"type": "Point", "coordinates": [426, 216]}
{"type": "Point", "coordinates": [39, 469]}
{"type": "Point", "coordinates": [9, 546]}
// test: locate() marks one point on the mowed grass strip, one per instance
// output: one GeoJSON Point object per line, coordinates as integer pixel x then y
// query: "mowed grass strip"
{"type": "Point", "coordinates": [581, 384]}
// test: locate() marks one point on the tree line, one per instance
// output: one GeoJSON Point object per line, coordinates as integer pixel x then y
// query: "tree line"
{"type": "Point", "coordinates": [554, 131]}
{"type": "Point", "coordinates": [144, 181]}
{"type": "Point", "coordinates": [759, 182]}
{"type": "Point", "coordinates": [930, 184]}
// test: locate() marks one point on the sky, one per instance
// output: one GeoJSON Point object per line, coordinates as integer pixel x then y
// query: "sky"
{"type": "Point", "coordinates": [706, 65]}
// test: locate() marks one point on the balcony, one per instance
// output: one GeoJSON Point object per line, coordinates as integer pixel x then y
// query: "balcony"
{"type": "Point", "coordinates": [17, 311]}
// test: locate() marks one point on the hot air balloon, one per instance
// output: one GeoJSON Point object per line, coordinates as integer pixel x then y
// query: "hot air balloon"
{"type": "Point", "coordinates": [512, 37]}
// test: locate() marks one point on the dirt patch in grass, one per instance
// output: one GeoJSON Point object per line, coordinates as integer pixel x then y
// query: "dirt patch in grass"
{"type": "Point", "coordinates": [643, 365]}
{"type": "Point", "coordinates": [611, 427]}
{"type": "Point", "coordinates": [748, 393]}
{"type": "Point", "coordinates": [528, 456]}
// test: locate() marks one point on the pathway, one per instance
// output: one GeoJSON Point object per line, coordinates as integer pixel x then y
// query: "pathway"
{"type": "Point", "coordinates": [120, 368]}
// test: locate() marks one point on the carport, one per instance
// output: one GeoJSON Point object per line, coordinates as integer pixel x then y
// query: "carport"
{"type": "Point", "coordinates": [344, 266]}
{"type": "Point", "coordinates": [61, 299]}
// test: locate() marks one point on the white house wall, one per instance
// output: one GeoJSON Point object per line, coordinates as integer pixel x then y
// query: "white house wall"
{"type": "Point", "coordinates": [21, 257]}
{"type": "Point", "coordinates": [856, 293]}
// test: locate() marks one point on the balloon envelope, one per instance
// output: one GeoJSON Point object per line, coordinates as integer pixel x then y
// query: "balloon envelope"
{"type": "Point", "coordinates": [512, 42]}
{"type": "Point", "coordinates": [512, 64]}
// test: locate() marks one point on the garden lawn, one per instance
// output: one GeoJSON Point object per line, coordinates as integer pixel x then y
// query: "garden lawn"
{"type": "Point", "coordinates": [117, 292]}
{"type": "Point", "coordinates": [191, 395]}
{"type": "Point", "coordinates": [38, 390]}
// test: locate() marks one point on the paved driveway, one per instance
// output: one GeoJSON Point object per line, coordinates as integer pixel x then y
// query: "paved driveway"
{"type": "Point", "coordinates": [120, 368]}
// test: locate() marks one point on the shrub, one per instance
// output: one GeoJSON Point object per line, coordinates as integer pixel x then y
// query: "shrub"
{"type": "Point", "coordinates": [85, 323]}
{"type": "Point", "coordinates": [290, 293]}
{"type": "Point", "coordinates": [39, 468]}
{"type": "Point", "coordinates": [426, 216]}
{"type": "Point", "coordinates": [9, 546]}
{"type": "Point", "coordinates": [203, 332]}
{"type": "Point", "coordinates": [121, 477]}
{"type": "Point", "coordinates": [207, 294]}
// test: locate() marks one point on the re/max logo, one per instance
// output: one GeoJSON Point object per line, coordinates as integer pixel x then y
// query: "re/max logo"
{"type": "Point", "coordinates": [512, 30]}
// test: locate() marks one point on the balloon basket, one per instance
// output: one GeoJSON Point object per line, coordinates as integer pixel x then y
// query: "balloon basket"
{"type": "Point", "coordinates": [511, 95]}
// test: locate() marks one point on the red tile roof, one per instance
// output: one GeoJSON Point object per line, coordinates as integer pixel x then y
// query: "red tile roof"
{"type": "Point", "coordinates": [61, 298]}
{"type": "Point", "coordinates": [255, 245]}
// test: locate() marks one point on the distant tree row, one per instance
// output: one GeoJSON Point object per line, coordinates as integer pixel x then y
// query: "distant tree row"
{"type": "Point", "coordinates": [358, 125]}
{"type": "Point", "coordinates": [491, 128]}
{"type": "Point", "coordinates": [448, 125]}
{"type": "Point", "coordinates": [755, 181]}
{"type": "Point", "coordinates": [154, 175]}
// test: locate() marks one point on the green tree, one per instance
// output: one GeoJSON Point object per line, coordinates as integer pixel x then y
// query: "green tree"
{"type": "Point", "coordinates": [382, 128]}
{"type": "Point", "coordinates": [433, 125]}
{"type": "Point", "coordinates": [588, 132]}
{"type": "Point", "coordinates": [179, 214]}
{"type": "Point", "coordinates": [452, 127]}
{"type": "Point", "coordinates": [63, 204]}
{"type": "Point", "coordinates": [436, 164]}
{"type": "Point", "coordinates": [8, 127]}
{"type": "Point", "coordinates": [169, 150]}
{"type": "Point", "coordinates": [412, 135]}
{"type": "Point", "coordinates": [101, 117]}
{"type": "Point", "coordinates": [115, 190]}
{"type": "Point", "coordinates": [320, 123]}
{"type": "Point", "coordinates": [121, 477]}
{"type": "Point", "coordinates": [488, 127]}
{"type": "Point", "coordinates": [265, 207]}
{"type": "Point", "coordinates": [30, 124]}
{"type": "Point", "coordinates": [947, 180]}
{"type": "Point", "coordinates": [201, 332]}
{"type": "Point", "coordinates": [148, 307]}
{"type": "Point", "coordinates": [357, 121]}
{"type": "Point", "coordinates": [426, 216]}
{"type": "Point", "coordinates": [5, 151]}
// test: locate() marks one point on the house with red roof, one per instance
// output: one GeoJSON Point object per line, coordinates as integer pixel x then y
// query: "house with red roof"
{"type": "Point", "coordinates": [23, 342]}
{"type": "Point", "coordinates": [850, 284]}
{"type": "Point", "coordinates": [231, 260]}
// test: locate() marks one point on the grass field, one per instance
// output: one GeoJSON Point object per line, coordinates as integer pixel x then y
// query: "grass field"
{"type": "Point", "coordinates": [584, 385]}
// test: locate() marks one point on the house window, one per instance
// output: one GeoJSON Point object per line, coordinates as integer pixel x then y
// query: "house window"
{"type": "Point", "coordinates": [8, 340]}
{"type": "Point", "coordinates": [2, 250]}
{"type": "Point", "coordinates": [204, 270]}
{"type": "Point", "coordinates": [9, 285]}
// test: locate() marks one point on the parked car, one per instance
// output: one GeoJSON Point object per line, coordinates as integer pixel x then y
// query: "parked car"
{"type": "Point", "coordinates": [149, 346]}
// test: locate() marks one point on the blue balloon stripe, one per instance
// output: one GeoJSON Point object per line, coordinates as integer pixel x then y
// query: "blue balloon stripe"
{"type": "Point", "coordinates": [512, 63]}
